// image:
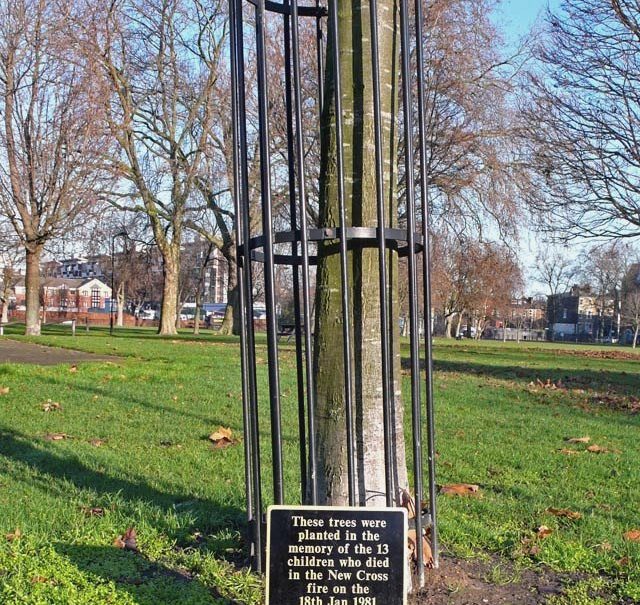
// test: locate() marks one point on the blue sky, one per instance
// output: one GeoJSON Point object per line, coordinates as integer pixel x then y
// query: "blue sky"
{"type": "Point", "coordinates": [517, 16]}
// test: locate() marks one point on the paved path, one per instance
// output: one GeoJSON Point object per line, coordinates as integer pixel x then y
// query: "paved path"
{"type": "Point", "coordinates": [13, 351]}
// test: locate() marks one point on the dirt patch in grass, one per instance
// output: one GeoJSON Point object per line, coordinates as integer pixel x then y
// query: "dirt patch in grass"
{"type": "Point", "coordinates": [13, 351]}
{"type": "Point", "coordinates": [461, 582]}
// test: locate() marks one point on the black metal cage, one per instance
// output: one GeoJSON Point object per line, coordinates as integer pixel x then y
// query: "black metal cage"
{"type": "Point", "coordinates": [288, 242]}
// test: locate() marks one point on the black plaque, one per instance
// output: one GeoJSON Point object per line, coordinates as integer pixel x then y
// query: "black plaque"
{"type": "Point", "coordinates": [336, 556]}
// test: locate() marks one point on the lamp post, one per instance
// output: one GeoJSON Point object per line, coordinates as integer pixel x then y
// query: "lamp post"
{"type": "Point", "coordinates": [113, 240]}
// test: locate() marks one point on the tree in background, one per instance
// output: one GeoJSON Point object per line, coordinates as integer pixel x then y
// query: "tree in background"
{"type": "Point", "coordinates": [581, 122]}
{"type": "Point", "coordinates": [53, 148]}
{"type": "Point", "coordinates": [631, 304]}
{"type": "Point", "coordinates": [159, 65]}
{"type": "Point", "coordinates": [556, 270]}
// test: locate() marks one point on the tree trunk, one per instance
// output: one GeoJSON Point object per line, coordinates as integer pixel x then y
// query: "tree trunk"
{"type": "Point", "coordinates": [635, 336]}
{"type": "Point", "coordinates": [32, 289]}
{"type": "Point", "coordinates": [120, 308]}
{"type": "Point", "coordinates": [231, 322]}
{"type": "Point", "coordinates": [169, 309]}
{"type": "Point", "coordinates": [448, 325]}
{"type": "Point", "coordinates": [5, 299]}
{"type": "Point", "coordinates": [459, 324]}
{"type": "Point", "coordinates": [360, 200]}
{"type": "Point", "coordinates": [196, 315]}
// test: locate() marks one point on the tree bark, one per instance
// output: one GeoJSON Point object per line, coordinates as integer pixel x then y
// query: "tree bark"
{"type": "Point", "coordinates": [32, 291]}
{"type": "Point", "coordinates": [169, 308]}
{"type": "Point", "coordinates": [231, 322]}
{"type": "Point", "coordinates": [360, 201]}
{"type": "Point", "coordinates": [120, 308]}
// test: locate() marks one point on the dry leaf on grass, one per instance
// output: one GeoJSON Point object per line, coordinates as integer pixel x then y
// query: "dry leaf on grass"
{"type": "Point", "coordinates": [543, 532]}
{"type": "Point", "coordinates": [461, 489]}
{"type": "Point", "coordinates": [578, 439]}
{"type": "Point", "coordinates": [14, 535]}
{"type": "Point", "coordinates": [97, 442]}
{"type": "Point", "coordinates": [568, 452]}
{"type": "Point", "coordinates": [427, 555]}
{"type": "Point", "coordinates": [633, 535]}
{"type": "Point", "coordinates": [564, 512]}
{"type": "Point", "coordinates": [51, 406]}
{"type": "Point", "coordinates": [73, 368]}
{"type": "Point", "coordinates": [93, 511]}
{"type": "Point", "coordinates": [56, 436]}
{"type": "Point", "coordinates": [598, 449]}
{"type": "Point", "coordinates": [127, 541]}
{"type": "Point", "coordinates": [222, 437]}
{"type": "Point", "coordinates": [38, 580]}
{"type": "Point", "coordinates": [4, 390]}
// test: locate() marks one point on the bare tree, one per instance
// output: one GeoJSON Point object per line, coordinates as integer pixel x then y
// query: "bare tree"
{"type": "Point", "coordinates": [581, 120]}
{"type": "Point", "coordinates": [604, 267]}
{"type": "Point", "coordinates": [555, 269]}
{"type": "Point", "coordinates": [159, 64]}
{"type": "Point", "coordinates": [52, 146]}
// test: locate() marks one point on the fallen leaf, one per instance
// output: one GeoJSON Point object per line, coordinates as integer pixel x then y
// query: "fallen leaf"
{"type": "Point", "coordinates": [51, 406]}
{"type": "Point", "coordinates": [564, 512]}
{"type": "Point", "coordinates": [605, 546]}
{"type": "Point", "coordinates": [127, 541]}
{"type": "Point", "coordinates": [56, 436]}
{"type": "Point", "coordinates": [578, 439]}
{"type": "Point", "coordinates": [97, 442]}
{"type": "Point", "coordinates": [93, 511]}
{"type": "Point", "coordinates": [460, 489]}
{"type": "Point", "coordinates": [14, 535]}
{"type": "Point", "coordinates": [624, 562]}
{"type": "Point", "coordinates": [221, 433]}
{"type": "Point", "coordinates": [597, 449]}
{"type": "Point", "coordinates": [543, 532]}
{"type": "Point", "coordinates": [427, 554]}
{"type": "Point", "coordinates": [4, 390]}
{"type": "Point", "coordinates": [407, 501]}
{"type": "Point", "coordinates": [633, 535]}
{"type": "Point", "coordinates": [568, 452]}
{"type": "Point", "coordinates": [73, 368]}
{"type": "Point", "coordinates": [222, 438]}
{"type": "Point", "coordinates": [38, 580]}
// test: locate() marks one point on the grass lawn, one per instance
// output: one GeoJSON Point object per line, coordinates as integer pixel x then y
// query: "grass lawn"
{"type": "Point", "coordinates": [136, 455]}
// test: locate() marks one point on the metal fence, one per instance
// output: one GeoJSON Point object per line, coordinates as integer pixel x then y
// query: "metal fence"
{"type": "Point", "coordinates": [294, 246]}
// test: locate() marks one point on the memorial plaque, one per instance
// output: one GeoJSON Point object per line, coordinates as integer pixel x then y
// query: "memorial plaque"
{"type": "Point", "coordinates": [336, 556]}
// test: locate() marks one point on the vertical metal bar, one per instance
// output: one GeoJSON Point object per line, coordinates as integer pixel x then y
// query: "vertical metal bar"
{"type": "Point", "coordinates": [344, 274]}
{"type": "Point", "coordinates": [306, 304]}
{"type": "Point", "coordinates": [248, 443]}
{"type": "Point", "coordinates": [246, 282]}
{"type": "Point", "coordinates": [302, 422]}
{"type": "Point", "coordinates": [269, 276]}
{"type": "Point", "coordinates": [416, 403]}
{"type": "Point", "coordinates": [382, 261]}
{"type": "Point", "coordinates": [426, 274]}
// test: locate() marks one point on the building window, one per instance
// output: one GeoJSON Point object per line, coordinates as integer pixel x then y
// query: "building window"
{"type": "Point", "coordinates": [95, 297]}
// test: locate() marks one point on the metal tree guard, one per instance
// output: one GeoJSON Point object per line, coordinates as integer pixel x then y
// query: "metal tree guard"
{"type": "Point", "coordinates": [295, 247]}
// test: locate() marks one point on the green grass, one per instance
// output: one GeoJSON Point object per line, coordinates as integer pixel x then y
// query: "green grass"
{"type": "Point", "coordinates": [156, 471]}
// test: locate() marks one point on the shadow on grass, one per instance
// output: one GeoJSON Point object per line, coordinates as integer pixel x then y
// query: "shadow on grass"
{"type": "Point", "coordinates": [618, 382]}
{"type": "Point", "coordinates": [58, 469]}
{"type": "Point", "coordinates": [148, 583]}
{"type": "Point", "coordinates": [150, 333]}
